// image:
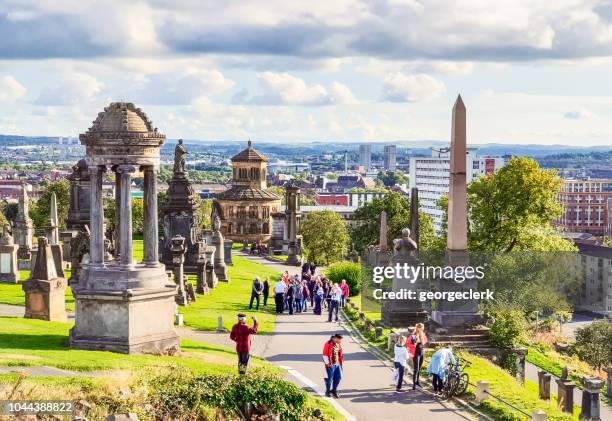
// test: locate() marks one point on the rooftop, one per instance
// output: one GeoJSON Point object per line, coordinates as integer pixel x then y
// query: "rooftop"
{"type": "Point", "coordinates": [249, 154]}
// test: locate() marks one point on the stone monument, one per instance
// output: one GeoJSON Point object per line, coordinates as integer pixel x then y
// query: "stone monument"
{"type": "Point", "coordinates": [217, 242]}
{"type": "Point", "coordinates": [44, 291]}
{"type": "Point", "coordinates": [78, 212]}
{"type": "Point", "coordinates": [459, 312]}
{"type": "Point", "coordinates": [414, 218]}
{"type": "Point", "coordinates": [79, 254]}
{"type": "Point", "coordinates": [53, 228]}
{"type": "Point", "coordinates": [122, 305]}
{"type": "Point", "coordinates": [9, 270]}
{"type": "Point", "coordinates": [178, 249]}
{"type": "Point", "coordinates": [383, 258]}
{"type": "Point", "coordinates": [292, 210]}
{"type": "Point", "coordinates": [23, 225]}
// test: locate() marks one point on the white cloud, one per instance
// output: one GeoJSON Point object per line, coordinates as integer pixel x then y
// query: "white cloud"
{"type": "Point", "coordinates": [69, 89]}
{"type": "Point", "coordinates": [399, 87]}
{"type": "Point", "coordinates": [579, 114]}
{"type": "Point", "coordinates": [286, 89]}
{"type": "Point", "coordinates": [11, 89]}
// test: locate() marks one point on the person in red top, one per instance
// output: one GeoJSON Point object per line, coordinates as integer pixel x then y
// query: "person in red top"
{"type": "Point", "coordinates": [241, 334]}
{"type": "Point", "coordinates": [344, 287]}
{"type": "Point", "coordinates": [332, 357]}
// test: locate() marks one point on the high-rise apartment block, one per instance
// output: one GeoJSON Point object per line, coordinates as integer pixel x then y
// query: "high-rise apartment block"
{"type": "Point", "coordinates": [390, 157]}
{"type": "Point", "coordinates": [587, 204]}
{"type": "Point", "coordinates": [365, 156]}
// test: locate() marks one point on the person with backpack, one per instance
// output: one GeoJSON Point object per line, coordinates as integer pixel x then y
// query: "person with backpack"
{"type": "Point", "coordinates": [333, 359]}
{"type": "Point", "coordinates": [416, 344]}
{"type": "Point", "coordinates": [400, 360]}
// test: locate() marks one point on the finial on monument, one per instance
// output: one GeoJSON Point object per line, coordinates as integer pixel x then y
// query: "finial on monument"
{"type": "Point", "coordinates": [249, 143]}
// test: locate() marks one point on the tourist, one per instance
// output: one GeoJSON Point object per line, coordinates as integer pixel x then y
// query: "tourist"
{"type": "Point", "coordinates": [305, 296]}
{"type": "Point", "coordinates": [253, 246]}
{"type": "Point", "coordinates": [437, 366]}
{"type": "Point", "coordinates": [311, 289]}
{"type": "Point", "coordinates": [400, 360]}
{"type": "Point", "coordinates": [332, 357]}
{"type": "Point", "coordinates": [326, 293]}
{"type": "Point", "coordinates": [298, 296]}
{"type": "Point", "coordinates": [241, 334]}
{"type": "Point", "coordinates": [286, 277]}
{"type": "Point", "coordinates": [266, 291]}
{"type": "Point", "coordinates": [344, 287]}
{"type": "Point", "coordinates": [416, 344]}
{"type": "Point", "coordinates": [256, 290]}
{"type": "Point", "coordinates": [313, 269]}
{"type": "Point", "coordinates": [280, 288]}
{"type": "Point", "coordinates": [290, 294]}
{"type": "Point", "coordinates": [334, 301]}
{"type": "Point", "coordinates": [305, 267]}
{"type": "Point", "coordinates": [318, 292]}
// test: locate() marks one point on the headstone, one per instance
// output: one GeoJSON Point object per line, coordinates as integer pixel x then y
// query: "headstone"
{"type": "Point", "coordinates": [482, 391]}
{"type": "Point", "coordinates": [23, 229]}
{"type": "Point", "coordinates": [292, 200]}
{"type": "Point", "coordinates": [9, 268]}
{"type": "Point", "coordinates": [565, 395]}
{"type": "Point", "coordinates": [457, 313]}
{"type": "Point", "coordinates": [79, 254]}
{"type": "Point", "coordinates": [201, 285]}
{"type": "Point", "coordinates": [544, 384]}
{"type": "Point", "coordinates": [228, 245]}
{"type": "Point", "coordinates": [211, 276]}
{"type": "Point", "coordinates": [539, 415]}
{"type": "Point", "coordinates": [45, 290]}
{"type": "Point", "coordinates": [520, 364]}
{"type": "Point", "coordinates": [217, 242]}
{"type": "Point", "coordinates": [591, 409]}
{"type": "Point", "coordinates": [405, 312]}
{"type": "Point", "coordinates": [220, 324]}
{"type": "Point", "coordinates": [177, 248]}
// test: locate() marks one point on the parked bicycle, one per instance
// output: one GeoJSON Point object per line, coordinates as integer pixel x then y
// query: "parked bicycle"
{"type": "Point", "coordinates": [456, 380]}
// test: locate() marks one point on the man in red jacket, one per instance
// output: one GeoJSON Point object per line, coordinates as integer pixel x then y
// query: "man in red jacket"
{"type": "Point", "coordinates": [332, 357]}
{"type": "Point", "coordinates": [241, 334]}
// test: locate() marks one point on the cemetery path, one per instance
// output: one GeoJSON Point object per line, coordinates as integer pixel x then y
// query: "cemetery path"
{"type": "Point", "coordinates": [365, 392]}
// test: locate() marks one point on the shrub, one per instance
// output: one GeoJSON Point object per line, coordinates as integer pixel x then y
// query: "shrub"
{"type": "Point", "coordinates": [593, 344]}
{"type": "Point", "coordinates": [346, 270]}
{"type": "Point", "coordinates": [507, 328]}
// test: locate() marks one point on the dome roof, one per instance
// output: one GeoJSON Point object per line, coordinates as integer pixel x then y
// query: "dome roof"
{"type": "Point", "coordinates": [122, 117]}
{"type": "Point", "coordinates": [249, 154]}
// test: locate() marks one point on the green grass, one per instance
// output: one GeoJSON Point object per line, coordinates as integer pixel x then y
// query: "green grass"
{"type": "Point", "coordinates": [229, 299]}
{"type": "Point", "coordinates": [13, 293]}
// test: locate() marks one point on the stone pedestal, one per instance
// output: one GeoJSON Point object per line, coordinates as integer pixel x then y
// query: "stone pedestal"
{"type": "Point", "coordinates": [590, 399]}
{"type": "Point", "coordinates": [544, 384]}
{"type": "Point", "coordinates": [177, 248]}
{"type": "Point", "coordinates": [566, 395]}
{"type": "Point", "coordinates": [227, 250]}
{"type": "Point", "coordinates": [201, 285]}
{"type": "Point", "coordinates": [219, 261]}
{"type": "Point", "coordinates": [45, 290]}
{"type": "Point", "coordinates": [9, 270]}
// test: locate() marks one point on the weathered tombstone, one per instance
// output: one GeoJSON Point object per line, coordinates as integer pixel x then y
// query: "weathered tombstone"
{"type": "Point", "coordinates": [539, 415]}
{"type": "Point", "coordinates": [228, 245]}
{"type": "Point", "coordinates": [457, 313]}
{"type": "Point", "coordinates": [590, 398]}
{"type": "Point", "coordinates": [53, 228]}
{"type": "Point", "coordinates": [219, 261]}
{"type": "Point", "coordinates": [123, 305]}
{"type": "Point", "coordinates": [44, 291]}
{"type": "Point", "coordinates": [78, 211]}
{"type": "Point", "coordinates": [177, 248]}
{"type": "Point", "coordinates": [292, 200]}
{"type": "Point", "coordinates": [544, 384]}
{"type": "Point", "coordinates": [211, 276]}
{"type": "Point", "coordinates": [382, 255]}
{"type": "Point", "coordinates": [79, 254]}
{"type": "Point", "coordinates": [565, 394]}
{"type": "Point", "coordinates": [201, 285]}
{"type": "Point", "coordinates": [9, 270]}
{"type": "Point", "coordinates": [520, 364]}
{"type": "Point", "coordinates": [23, 229]}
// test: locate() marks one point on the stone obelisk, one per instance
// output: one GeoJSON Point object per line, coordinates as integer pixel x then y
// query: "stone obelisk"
{"type": "Point", "coordinates": [24, 227]}
{"type": "Point", "coordinates": [53, 221]}
{"type": "Point", "coordinates": [383, 250]}
{"type": "Point", "coordinates": [462, 312]}
{"type": "Point", "coordinates": [414, 218]}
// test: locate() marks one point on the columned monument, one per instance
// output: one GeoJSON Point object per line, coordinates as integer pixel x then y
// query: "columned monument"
{"type": "Point", "coordinates": [123, 305]}
{"type": "Point", "coordinates": [24, 227]}
{"type": "Point", "coordinates": [78, 211]}
{"type": "Point", "coordinates": [460, 312]}
{"type": "Point", "coordinates": [218, 243]}
{"type": "Point", "coordinates": [292, 203]}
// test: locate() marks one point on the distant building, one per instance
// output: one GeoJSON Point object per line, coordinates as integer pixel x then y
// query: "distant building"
{"type": "Point", "coordinates": [586, 206]}
{"type": "Point", "coordinates": [332, 199]}
{"type": "Point", "coordinates": [356, 199]}
{"type": "Point", "coordinates": [390, 158]}
{"type": "Point", "coordinates": [346, 212]}
{"type": "Point", "coordinates": [246, 208]}
{"type": "Point", "coordinates": [346, 182]}
{"type": "Point", "coordinates": [431, 176]}
{"type": "Point", "coordinates": [291, 167]}
{"type": "Point", "coordinates": [596, 292]}
{"type": "Point", "coordinates": [365, 156]}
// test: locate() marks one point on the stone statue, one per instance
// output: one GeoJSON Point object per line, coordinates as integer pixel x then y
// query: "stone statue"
{"type": "Point", "coordinates": [405, 246]}
{"type": "Point", "coordinates": [7, 235]}
{"type": "Point", "coordinates": [179, 157]}
{"type": "Point", "coordinates": [216, 223]}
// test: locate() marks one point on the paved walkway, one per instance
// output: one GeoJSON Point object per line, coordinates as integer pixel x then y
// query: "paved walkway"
{"type": "Point", "coordinates": [366, 392]}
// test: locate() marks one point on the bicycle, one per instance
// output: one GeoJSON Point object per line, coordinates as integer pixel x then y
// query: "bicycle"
{"type": "Point", "coordinates": [456, 379]}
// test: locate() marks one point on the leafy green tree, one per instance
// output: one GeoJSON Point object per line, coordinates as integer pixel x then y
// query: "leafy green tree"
{"type": "Point", "coordinates": [507, 328]}
{"type": "Point", "coordinates": [511, 209]}
{"type": "Point", "coordinates": [204, 211]}
{"type": "Point", "coordinates": [607, 242]}
{"type": "Point", "coordinates": [137, 215]}
{"type": "Point", "coordinates": [349, 271]}
{"type": "Point", "coordinates": [392, 178]}
{"type": "Point", "coordinates": [40, 210]}
{"type": "Point", "coordinates": [397, 207]}
{"type": "Point", "coordinates": [325, 237]}
{"type": "Point", "coordinates": [593, 344]}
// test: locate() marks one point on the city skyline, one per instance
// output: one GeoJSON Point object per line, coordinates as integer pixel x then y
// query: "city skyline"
{"type": "Point", "coordinates": [290, 72]}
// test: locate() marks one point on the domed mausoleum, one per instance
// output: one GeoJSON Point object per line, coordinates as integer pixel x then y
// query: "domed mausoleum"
{"type": "Point", "coordinates": [245, 209]}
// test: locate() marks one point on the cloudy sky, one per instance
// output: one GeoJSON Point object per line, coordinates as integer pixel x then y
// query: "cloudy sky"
{"type": "Point", "coordinates": [530, 71]}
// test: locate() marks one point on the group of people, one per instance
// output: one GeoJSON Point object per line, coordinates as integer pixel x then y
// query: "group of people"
{"type": "Point", "coordinates": [258, 248]}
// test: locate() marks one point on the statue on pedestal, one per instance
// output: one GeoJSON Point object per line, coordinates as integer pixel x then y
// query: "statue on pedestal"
{"type": "Point", "coordinates": [179, 158]}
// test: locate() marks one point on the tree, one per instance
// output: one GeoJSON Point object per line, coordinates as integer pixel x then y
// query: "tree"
{"type": "Point", "coordinates": [593, 344]}
{"type": "Point", "coordinates": [511, 209]}
{"type": "Point", "coordinates": [391, 178]}
{"type": "Point", "coordinates": [397, 207]}
{"type": "Point", "coordinates": [204, 211]}
{"type": "Point", "coordinates": [137, 215]}
{"type": "Point", "coordinates": [325, 237]}
{"type": "Point", "coordinates": [40, 210]}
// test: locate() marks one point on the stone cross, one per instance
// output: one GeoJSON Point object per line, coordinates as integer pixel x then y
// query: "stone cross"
{"type": "Point", "coordinates": [382, 242]}
{"type": "Point", "coordinates": [457, 194]}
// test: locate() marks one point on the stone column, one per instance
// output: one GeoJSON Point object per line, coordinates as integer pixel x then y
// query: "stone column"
{"type": "Point", "coordinates": [96, 220]}
{"type": "Point", "coordinates": [565, 393]}
{"type": "Point", "coordinates": [126, 214]}
{"type": "Point", "coordinates": [590, 399]}
{"type": "Point", "coordinates": [544, 384]}
{"type": "Point", "coordinates": [151, 235]}
{"type": "Point", "coordinates": [117, 214]}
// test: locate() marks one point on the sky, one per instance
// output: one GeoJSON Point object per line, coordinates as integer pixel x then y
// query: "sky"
{"type": "Point", "coordinates": [529, 71]}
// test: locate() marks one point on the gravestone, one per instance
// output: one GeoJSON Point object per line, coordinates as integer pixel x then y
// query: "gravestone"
{"type": "Point", "coordinates": [217, 242]}
{"type": "Point", "coordinates": [45, 290]}
{"type": "Point", "coordinates": [78, 211]}
{"type": "Point", "coordinates": [53, 227]}
{"type": "Point", "coordinates": [211, 276]}
{"type": "Point", "coordinates": [177, 248]}
{"type": "Point", "coordinates": [591, 409]}
{"type": "Point", "coordinates": [201, 284]}
{"type": "Point", "coordinates": [79, 254]}
{"type": "Point", "coordinates": [228, 245]}
{"type": "Point", "coordinates": [9, 270]}
{"type": "Point", "coordinates": [544, 384]}
{"type": "Point", "coordinates": [23, 229]}
{"type": "Point", "coordinates": [565, 395]}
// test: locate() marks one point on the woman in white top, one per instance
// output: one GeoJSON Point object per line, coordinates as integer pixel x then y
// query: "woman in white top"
{"type": "Point", "coordinates": [400, 360]}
